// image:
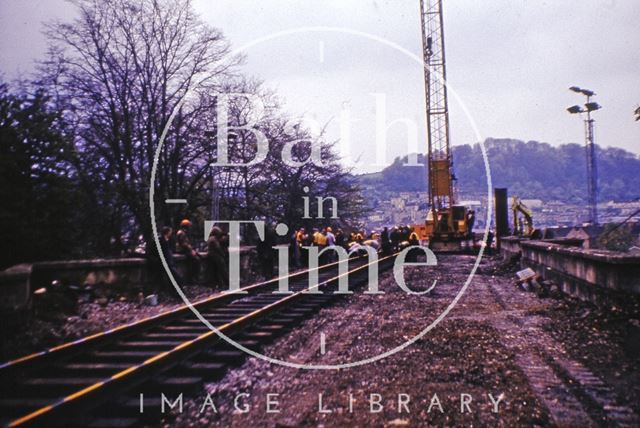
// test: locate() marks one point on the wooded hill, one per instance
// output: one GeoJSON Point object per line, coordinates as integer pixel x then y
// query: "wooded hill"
{"type": "Point", "coordinates": [528, 169]}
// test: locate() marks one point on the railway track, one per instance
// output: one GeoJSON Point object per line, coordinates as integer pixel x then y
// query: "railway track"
{"type": "Point", "coordinates": [82, 383]}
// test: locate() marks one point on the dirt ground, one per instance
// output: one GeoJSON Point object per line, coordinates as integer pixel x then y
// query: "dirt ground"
{"type": "Point", "coordinates": [553, 361]}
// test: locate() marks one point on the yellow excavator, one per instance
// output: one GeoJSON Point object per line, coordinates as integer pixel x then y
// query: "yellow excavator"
{"type": "Point", "coordinates": [522, 227]}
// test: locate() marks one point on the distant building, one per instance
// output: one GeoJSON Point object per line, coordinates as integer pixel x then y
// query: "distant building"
{"type": "Point", "coordinates": [471, 204]}
{"type": "Point", "coordinates": [534, 204]}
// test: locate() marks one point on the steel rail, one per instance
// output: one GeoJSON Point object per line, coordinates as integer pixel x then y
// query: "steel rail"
{"type": "Point", "coordinates": [79, 402]}
{"type": "Point", "coordinates": [8, 369]}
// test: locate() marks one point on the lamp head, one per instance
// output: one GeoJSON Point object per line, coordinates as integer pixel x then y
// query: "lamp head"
{"type": "Point", "coordinates": [592, 106]}
{"type": "Point", "coordinates": [582, 91]}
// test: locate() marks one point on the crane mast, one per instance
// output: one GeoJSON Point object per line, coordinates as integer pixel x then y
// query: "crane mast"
{"type": "Point", "coordinates": [438, 154]}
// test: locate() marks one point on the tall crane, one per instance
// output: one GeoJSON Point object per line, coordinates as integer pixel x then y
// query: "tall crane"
{"type": "Point", "coordinates": [446, 223]}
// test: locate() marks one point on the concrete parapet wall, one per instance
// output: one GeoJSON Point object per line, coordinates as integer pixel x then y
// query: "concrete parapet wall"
{"type": "Point", "coordinates": [18, 283]}
{"type": "Point", "coordinates": [15, 286]}
{"type": "Point", "coordinates": [594, 275]}
{"type": "Point", "coordinates": [509, 247]}
{"type": "Point", "coordinates": [598, 268]}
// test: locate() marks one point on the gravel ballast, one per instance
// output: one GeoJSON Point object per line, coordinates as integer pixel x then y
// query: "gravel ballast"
{"type": "Point", "coordinates": [491, 343]}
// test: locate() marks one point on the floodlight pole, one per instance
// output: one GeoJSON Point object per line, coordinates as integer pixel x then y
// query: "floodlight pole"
{"type": "Point", "coordinates": [592, 169]}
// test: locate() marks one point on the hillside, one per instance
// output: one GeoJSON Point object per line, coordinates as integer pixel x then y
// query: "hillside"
{"type": "Point", "coordinates": [528, 169]}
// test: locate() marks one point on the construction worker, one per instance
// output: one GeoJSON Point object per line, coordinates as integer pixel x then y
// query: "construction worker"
{"type": "Point", "coordinates": [443, 221]}
{"type": "Point", "coordinates": [489, 243]}
{"type": "Point", "coordinates": [167, 246]}
{"type": "Point", "coordinates": [300, 236]}
{"type": "Point", "coordinates": [385, 241]}
{"type": "Point", "coordinates": [406, 233]}
{"type": "Point", "coordinates": [395, 238]}
{"type": "Point", "coordinates": [184, 247]}
{"type": "Point", "coordinates": [340, 239]}
{"type": "Point", "coordinates": [320, 241]}
{"type": "Point", "coordinates": [266, 254]}
{"type": "Point", "coordinates": [414, 240]}
{"type": "Point", "coordinates": [322, 238]}
{"type": "Point", "coordinates": [302, 239]}
{"type": "Point", "coordinates": [217, 258]}
{"type": "Point", "coordinates": [330, 239]}
{"type": "Point", "coordinates": [315, 237]}
{"type": "Point", "coordinates": [471, 219]}
{"type": "Point", "coordinates": [294, 249]}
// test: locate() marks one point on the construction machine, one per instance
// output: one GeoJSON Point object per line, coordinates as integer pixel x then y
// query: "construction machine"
{"type": "Point", "coordinates": [447, 223]}
{"type": "Point", "coordinates": [521, 227]}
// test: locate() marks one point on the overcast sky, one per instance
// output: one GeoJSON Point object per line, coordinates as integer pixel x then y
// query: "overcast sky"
{"type": "Point", "coordinates": [510, 62]}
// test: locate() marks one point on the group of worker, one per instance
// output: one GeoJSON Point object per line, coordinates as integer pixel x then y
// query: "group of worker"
{"type": "Point", "coordinates": [389, 241]}
{"type": "Point", "coordinates": [215, 261]}
{"type": "Point", "coordinates": [299, 242]}
{"type": "Point", "coordinates": [393, 240]}
{"type": "Point", "coordinates": [300, 239]}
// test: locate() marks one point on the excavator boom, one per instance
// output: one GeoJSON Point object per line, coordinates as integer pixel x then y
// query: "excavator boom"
{"type": "Point", "coordinates": [519, 207]}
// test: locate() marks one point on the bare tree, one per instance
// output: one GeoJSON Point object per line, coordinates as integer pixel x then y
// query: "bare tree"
{"type": "Point", "coordinates": [120, 69]}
